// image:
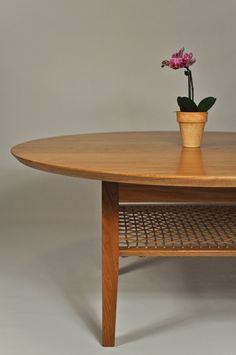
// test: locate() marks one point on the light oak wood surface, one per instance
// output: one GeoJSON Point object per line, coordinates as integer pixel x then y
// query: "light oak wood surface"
{"type": "Point", "coordinates": [148, 158]}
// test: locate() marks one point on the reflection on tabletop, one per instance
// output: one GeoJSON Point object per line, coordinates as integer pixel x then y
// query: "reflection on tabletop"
{"type": "Point", "coordinates": [191, 162]}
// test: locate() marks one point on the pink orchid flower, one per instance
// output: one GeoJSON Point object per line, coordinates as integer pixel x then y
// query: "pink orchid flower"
{"type": "Point", "coordinates": [184, 60]}
{"type": "Point", "coordinates": [178, 60]}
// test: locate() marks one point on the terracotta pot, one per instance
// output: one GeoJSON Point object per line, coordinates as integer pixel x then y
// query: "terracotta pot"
{"type": "Point", "coordinates": [191, 127]}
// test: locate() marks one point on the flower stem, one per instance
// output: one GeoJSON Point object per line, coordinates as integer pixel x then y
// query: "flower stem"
{"type": "Point", "coordinates": [189, 87]}
{"type": "Point", "coordinates": [192, 87]}
{"type": "Point", "coordinates": [188, 73]}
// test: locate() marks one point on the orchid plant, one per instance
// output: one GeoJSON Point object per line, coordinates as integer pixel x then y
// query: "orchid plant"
{"type": "Point", "coordinates": [183, 60]}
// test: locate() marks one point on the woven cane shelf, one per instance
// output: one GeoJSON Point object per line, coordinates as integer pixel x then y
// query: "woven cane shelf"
{"type": "Point", "coordinates": [177, 228]}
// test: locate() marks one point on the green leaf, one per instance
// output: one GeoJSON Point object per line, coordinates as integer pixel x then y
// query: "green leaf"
{"type": "Point", "coordinates": [186, 104]}
{"type": "Point", "coordinates": [206, 104]}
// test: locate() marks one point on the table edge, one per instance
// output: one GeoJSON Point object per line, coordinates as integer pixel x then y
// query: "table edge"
{"type": "Point", "coordinates": [159, 180]}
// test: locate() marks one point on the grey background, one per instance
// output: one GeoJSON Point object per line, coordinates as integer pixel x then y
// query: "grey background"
{"type": "Point", "coordinates": [90, 66]}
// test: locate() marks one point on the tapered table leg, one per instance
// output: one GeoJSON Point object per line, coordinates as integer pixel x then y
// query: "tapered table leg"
{"type": "Point", "coordinates": [110, 261]}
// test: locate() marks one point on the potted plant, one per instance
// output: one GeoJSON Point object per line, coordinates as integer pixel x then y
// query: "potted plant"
{"type": "Point", "coordinates": [191, 117]}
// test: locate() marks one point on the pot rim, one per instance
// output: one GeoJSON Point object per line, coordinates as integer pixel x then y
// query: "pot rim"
{"type": "Point", "coordinates": [192, 117]}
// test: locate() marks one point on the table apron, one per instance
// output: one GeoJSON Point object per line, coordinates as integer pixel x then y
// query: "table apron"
{"type": "Point", "coordinates": [146, 193]}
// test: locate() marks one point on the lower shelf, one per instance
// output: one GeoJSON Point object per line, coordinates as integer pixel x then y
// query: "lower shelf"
{"type": "Point", "coordinates": [174, 229]}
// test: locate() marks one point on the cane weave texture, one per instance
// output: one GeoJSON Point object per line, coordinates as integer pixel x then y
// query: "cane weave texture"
{"type": "Point", "coordinates": [177, 226]}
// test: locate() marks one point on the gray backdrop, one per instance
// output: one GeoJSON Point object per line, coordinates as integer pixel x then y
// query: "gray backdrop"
{"type": "Point", "coordinates": [91, 66]}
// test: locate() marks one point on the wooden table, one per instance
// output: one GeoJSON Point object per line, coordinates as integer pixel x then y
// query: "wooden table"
{"type": "Point", "coordinates": [149, 167]}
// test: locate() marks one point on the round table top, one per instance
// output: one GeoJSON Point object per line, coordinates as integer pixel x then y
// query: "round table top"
{"type": "Point", "coordinates": [150, 158]}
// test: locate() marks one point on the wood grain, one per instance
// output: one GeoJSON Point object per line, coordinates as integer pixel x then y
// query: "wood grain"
{"type": "Point", "coordinates": [185, 252]}
{"type": "Point", "coordinates": [149, 158]}
{"type": "Point", "coordinates": [142, 193]}
{"type": "Point", "coordinates": [110, 258]}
